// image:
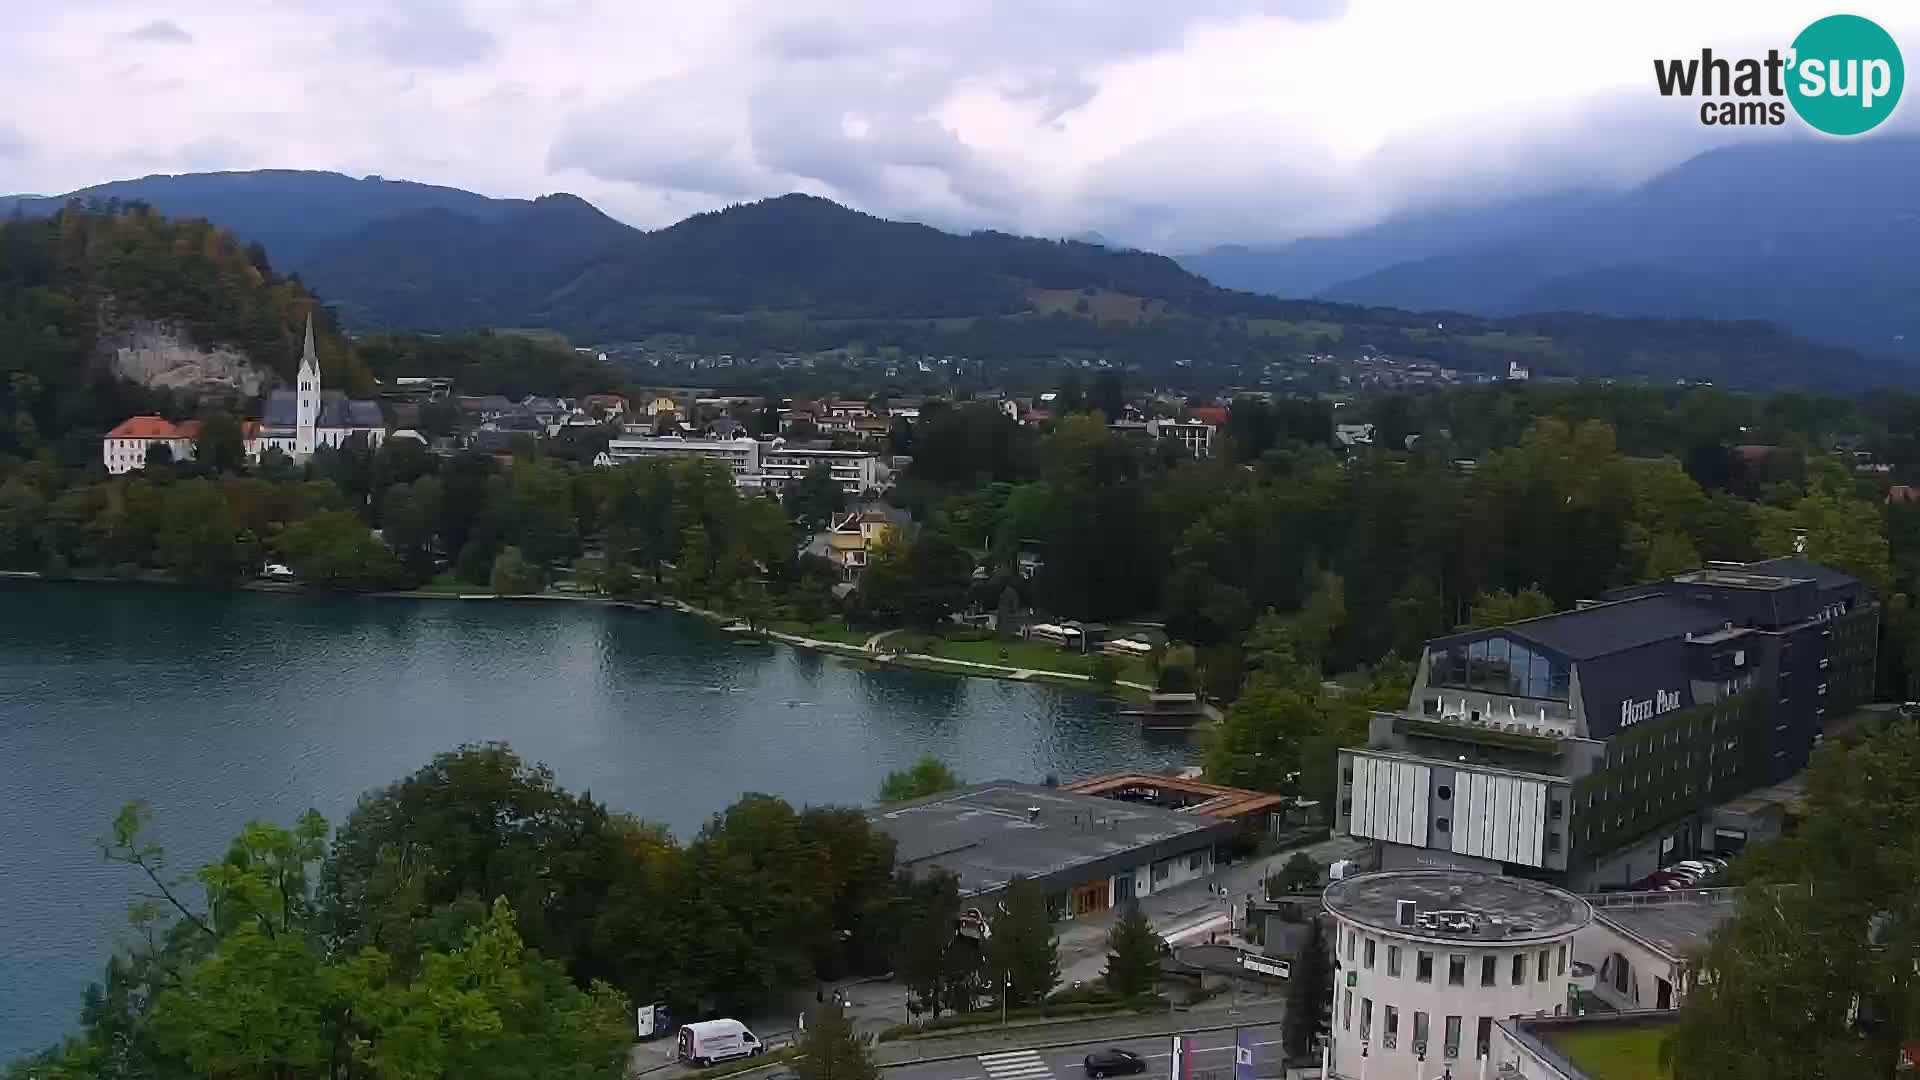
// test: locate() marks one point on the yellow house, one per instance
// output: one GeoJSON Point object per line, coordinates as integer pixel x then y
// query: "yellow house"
{"type": "Point", "coordinates": [850, 541]}
{"type": "Point", "coordinates": [662, 405]}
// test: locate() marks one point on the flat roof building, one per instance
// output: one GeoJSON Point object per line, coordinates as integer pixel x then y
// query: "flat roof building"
{"type": "Point", "coordinates": [1590, 747]}
{"type": "Point", "coordinates": [1088, 853]}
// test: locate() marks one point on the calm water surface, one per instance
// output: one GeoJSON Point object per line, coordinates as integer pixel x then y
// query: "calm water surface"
{"type": "Point", "coordinates": [217, 708]}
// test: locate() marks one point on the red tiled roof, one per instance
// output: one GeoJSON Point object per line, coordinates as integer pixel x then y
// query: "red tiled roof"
{"type": "Point", "coordinates": [1208, 414]}
{"type": "Point", "coordinates": [154, 427]}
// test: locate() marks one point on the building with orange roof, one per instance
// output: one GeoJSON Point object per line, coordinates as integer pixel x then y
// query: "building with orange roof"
{"type": "Point", "coordinates": [126, 447]}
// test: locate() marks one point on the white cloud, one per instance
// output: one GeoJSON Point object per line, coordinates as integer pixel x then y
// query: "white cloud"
{"type": "Point", "coordinates": [1169, 124]}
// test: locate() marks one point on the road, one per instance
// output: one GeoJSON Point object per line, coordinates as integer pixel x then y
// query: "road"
{"type": "Point", "coordinates": [1213, 1055]}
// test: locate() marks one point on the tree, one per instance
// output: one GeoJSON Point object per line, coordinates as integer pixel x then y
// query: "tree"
{"type": "Point", "coordinates": [814, 499]}
{"type": "Point", "coordinates": [1105, 670]}
{"type": "Point", "coordinates": [1133, 954]}
{"type": "Point", "coordinates": [927, 776]}
{"type": "Point", "coordinates": [1814, 975]}
{"type": "Point", "coordinates": [1309, 994]}
{"type": "Point", "coordinates": [928, 940]}
{"type": "Point", "coordinates": [335, 549]}
{"type": "Point", "coordinates": [1299, 874]}
{"type": "Point", "coordinates": [513, 575]}
{"type": "Point", "coordinates": [1499, 607]}
{"type": "Point", "coordinates": [197, 538]}
{"type": "Point", "coordinates": [220, 447]}
{"type": "Point", "coordinates": [22, 508]}
{"type": "Point", "coordinates": [418, 862]}
{"type": "Point", "coordinates": [830, 1050]}
{"type": "Point", "coordinates": [1023, 951]}
{"type": "Point", "coordinates": [1177, 671]}
{"type": "Point", "coordinates": [1006, 620]}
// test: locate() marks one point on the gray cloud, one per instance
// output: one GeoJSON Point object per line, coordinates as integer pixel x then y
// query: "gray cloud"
{"type": "Point", "coordinates": [162, 32]}
{"type": "Point", "coordinates": [423, 34]}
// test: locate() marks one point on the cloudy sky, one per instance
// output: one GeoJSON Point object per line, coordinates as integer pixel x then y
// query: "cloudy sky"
{"type": "Point", "coordinates": [1172, 124]}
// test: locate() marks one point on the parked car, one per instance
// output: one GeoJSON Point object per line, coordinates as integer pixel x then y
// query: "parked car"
{"type": "Point", "coordinates": [1114, 1061]}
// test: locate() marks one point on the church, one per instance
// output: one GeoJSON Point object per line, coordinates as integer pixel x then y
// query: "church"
{"type": "Point", "coordinates": [305, 418]}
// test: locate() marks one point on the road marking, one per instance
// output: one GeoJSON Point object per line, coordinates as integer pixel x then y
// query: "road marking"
{"type": "Point", "coordinates": [1016, 1065]}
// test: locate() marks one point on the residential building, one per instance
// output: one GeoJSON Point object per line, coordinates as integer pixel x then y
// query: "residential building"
{"type": "Point", "coordinates": [608, 407]}
{"type": "Point", "coordinates": [1426, 962]}
{"type": "Point", "coordinates": [740, 456]}
{"type": "Point", "coordinates": [850, 540]}
{"type": "Point", "coordinates": [1591, 747]}
{"type": "Point", "coordinates": [485, 407]}
{"type": "Point", "coordinates": [858, 471]}
{"type": "Point", "coordinates": [125, 448]}
{"type": "Point", "coordinates": [1255, 811]}
{"type": "Point", "coordinates": [1195, 435]}
{"type": "Point", "coordinates": [1353, 434]}
{"type": "Point", "coordinates": [1089, 854]}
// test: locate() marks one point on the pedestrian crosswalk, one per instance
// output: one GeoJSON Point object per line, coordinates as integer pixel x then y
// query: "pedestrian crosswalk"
{"type": "Point", "coordinates": [1016, 1065]}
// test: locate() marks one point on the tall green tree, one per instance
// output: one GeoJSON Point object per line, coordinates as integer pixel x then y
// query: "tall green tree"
{"type": "Point", "coordinates": [1309, 995]}
{"type": "Point", "coordinates": [1023, 951]}
{"type": "Point", "coordinates": [1133, 954]}
{"type": "Point", "coordinates": [830, 1049]}
{"type": "Point", "coordinates": [198, 541]}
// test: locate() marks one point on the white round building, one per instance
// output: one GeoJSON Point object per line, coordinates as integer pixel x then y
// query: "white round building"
{"type": "Point", "coordinates": [1427, 961]}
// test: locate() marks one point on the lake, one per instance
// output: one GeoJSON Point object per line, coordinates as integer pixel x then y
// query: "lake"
{"type": "Point", "coordinates": [217, 708]}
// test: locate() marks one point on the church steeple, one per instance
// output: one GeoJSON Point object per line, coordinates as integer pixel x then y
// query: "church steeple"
{"type": "Point", "coordinates": [307, 398]}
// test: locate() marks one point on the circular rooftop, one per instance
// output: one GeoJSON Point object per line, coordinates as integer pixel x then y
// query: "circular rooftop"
{"type": "Point", "coordinates": [1458, 905]}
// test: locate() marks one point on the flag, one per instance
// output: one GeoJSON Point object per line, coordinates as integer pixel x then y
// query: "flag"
{"type": "Point", "coordinates": [1243, 1056]}
{"type": "Point", "coordinates": [1182, 1062]}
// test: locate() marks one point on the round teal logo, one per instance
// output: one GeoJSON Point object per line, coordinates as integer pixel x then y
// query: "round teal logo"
{"type": "Point", "coordinates": [1846, 75]}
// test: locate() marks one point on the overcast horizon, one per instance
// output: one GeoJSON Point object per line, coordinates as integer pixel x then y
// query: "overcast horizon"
{"type": "Point", "coordinates": [1175, 130]}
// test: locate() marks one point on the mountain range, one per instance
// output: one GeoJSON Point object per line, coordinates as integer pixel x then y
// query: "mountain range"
{"type": "Point", "coordinates": [1746, 233]}
{"type": "Point", "coordinates": [1821, 236]}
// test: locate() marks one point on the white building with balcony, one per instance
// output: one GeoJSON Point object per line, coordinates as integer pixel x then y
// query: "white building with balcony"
{"type": "Point", "coordinates": [856, 470]}
{"type": "Point", "coordinates": [1427, 962]}
{"type": "Point", "coordinates": [740, 456]}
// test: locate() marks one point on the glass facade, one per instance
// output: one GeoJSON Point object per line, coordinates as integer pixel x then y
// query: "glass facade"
{"type": "Point", "coordinates": [1498, 666]}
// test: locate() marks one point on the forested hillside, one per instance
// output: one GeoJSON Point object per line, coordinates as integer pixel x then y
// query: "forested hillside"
{"type": "Point", "coordinates": [66, 280]}
{"type": "Point", "coordinates": [799, 273]}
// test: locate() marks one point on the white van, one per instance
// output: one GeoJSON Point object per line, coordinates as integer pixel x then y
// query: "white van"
{"type": "Point", "coordinates": [716, 1040]}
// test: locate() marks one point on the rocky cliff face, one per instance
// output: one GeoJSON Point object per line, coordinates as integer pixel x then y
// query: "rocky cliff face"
{"type": "Point", "coordinates": [159, 354]}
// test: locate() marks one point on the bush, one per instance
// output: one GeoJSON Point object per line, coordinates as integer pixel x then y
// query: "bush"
{"type": "Point", "coordinates": [513, 575]}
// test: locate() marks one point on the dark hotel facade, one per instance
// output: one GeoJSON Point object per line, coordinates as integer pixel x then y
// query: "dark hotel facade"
{"type": "Point", "coordinates": [1592, 746]}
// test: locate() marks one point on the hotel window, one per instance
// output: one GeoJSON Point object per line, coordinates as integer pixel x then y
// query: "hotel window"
{"type": "Point", "coordinates": [1419, 1032]}
{"type": "Point", "coordinates": [1393, 961]}
{"type": "Point", "coordinates": [1519, 969]}
{"type": "Point", "coordinates": [1543, 965]}
{"type": "Point", "coordinates": [1456, 970]}
{"type": "Point", "coordinates": [1423, 967]}
{"type": "Point", "coordinates": [1483, 1037]}
{"type": "Point", "coordinates": [1366, 1017]}
{"type": "Point", "coordinates": [1390, 1028]}
{"type": "Point", "coordinates": [1196, 860]}
{"type": "Point", "coordinates": [1351, 939]}
{"type": "Point", "coordinates": [1560, 960]}
{"type": "Point", "coordinates": [1346, 1011]}
{"type": "Point", "coordinates": [1453, 1036]}
{"type": "Point", "coordinates": [1366, 955]}
{"type": "Point", "coordinates": [1487, 970]}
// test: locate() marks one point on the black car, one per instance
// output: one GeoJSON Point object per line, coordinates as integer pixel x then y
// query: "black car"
{"type": "Point", "coordinates": [1114, 1061]}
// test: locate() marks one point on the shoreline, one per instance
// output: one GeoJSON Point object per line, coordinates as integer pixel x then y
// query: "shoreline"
{"type": "Point", "coordinates": [1120, 691]}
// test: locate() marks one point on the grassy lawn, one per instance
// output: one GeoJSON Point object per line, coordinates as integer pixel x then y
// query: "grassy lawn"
{"type": "Point", "coordinates": [1614, 1052]}
{"type": "Point", "coordinates": [821, 631]}
{"type": "Point", "coordinates": [1030, 655]}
